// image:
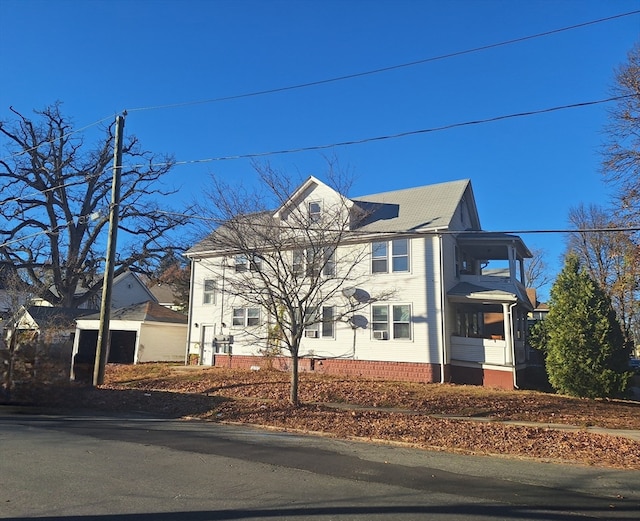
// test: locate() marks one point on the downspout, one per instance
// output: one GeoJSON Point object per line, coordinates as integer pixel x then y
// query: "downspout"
{"type": "Point", "coordinates": [512, 341]}
{"type": "Point", "coordinates": [191, 286]}
{"type": "Point", "coordinates": [442, 312]}
{"type": "Point", "coordinates": [224, 265]}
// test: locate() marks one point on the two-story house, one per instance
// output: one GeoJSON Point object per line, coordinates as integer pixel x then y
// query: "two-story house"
{"type": "Point", "coordinates": [454, 304]}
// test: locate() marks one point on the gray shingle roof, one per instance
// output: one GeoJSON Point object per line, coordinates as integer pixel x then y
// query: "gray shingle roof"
{"type": "Point", "coordinates": [145, 312]}
{"type": "Point", "coordinates": [420, 208]}
{"type": "Point", "coordinates": [424, 207]}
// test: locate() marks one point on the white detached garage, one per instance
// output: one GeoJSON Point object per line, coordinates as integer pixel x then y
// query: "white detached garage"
{"type": "Point", "coordinates": [146, 332]}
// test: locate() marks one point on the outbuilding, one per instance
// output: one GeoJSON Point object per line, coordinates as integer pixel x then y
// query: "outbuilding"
{"type": "Point", "coordinates": [146, 332]}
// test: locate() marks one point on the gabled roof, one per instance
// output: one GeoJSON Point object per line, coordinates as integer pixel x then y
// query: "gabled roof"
{"type": "Point", "coordinates": [45, 316]}
{"type": "Point", "coordinates": [422, 208]}
{"type": "Point", "coordinates": [303, 191]}
{"type": "Point", "coordinates": [413, 209]}
{"type": "Point", "coordinates": [145, 312]}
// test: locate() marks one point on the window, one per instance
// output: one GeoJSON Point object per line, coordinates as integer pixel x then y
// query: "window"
{"type": "Point", "coordinates": [379, 257]}
{"type": "Point", "coordinates": [399, 249]}
{"type": "Point", "coordinates": [398, 328]}
{"type": "Point", "coordinates": [313, 262]}
{"type": "Point", "coordinates": [323, 326]}
{"type": "Point", "coordinates": [329, 269]}
{"type": "Point", "coordinates": [402, 321]}
{"type": "Point", "coordinates": [244, 263]}
{"type": "Point", "coordinates": [310, 262]}
{"type": "Point", "coordinates": [209, 295]}
{"type": "Point", "coordinates": [328, 322]}
{"type": "Point", "coordinates": [297, 265]}
{"type": "Point", "coordinates": [244, 317]}
{"type": "Point", "coordinates": [314, 212]}
{"type": "Point", "coordinates": [400, 255]}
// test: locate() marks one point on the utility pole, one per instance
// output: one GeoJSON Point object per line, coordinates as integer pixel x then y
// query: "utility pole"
{"type": "Point", "coordinates": [102, 347]}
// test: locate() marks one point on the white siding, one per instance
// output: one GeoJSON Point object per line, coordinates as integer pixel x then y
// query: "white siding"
{"type": "Point", "coordinates": [420, 288]}
{"type": "Point", "coordinates": [161, 342]}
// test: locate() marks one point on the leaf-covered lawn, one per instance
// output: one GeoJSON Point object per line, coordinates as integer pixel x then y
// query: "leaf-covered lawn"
{"type": "Point", "coordinates": [436, 416]}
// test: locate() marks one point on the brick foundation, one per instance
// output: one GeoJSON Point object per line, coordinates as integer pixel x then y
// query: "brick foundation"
{"type": "Point", "coordinates": [484, 377]}
{"type": "Point", "coordinates": [397, 371]}
{"type": "Point", "coordinates": [394, 371]}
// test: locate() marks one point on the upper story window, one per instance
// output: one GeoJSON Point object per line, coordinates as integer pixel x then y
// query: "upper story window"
{"type": "Point", "coordinates": [244, 317]}
{"type": "Point", "coordinates": [394, 253]}
{"type": "Point", "coordinates": [209, 293]}
{"type": "Point", "coordinates": [245, 262]}
{"type": "Point", "coordinates": [315, 211]}
{"type": "Point", "coordinates": [312, 262]}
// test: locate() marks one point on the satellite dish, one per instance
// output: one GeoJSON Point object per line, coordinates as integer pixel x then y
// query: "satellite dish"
{"type": "Point", "coordinates": [349, 292]}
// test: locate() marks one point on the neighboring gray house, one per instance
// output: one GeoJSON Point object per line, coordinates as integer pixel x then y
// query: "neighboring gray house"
{"type": "Point", "coordinates": [127, 289]}
{"type": "Point", "coordinates": [460, 305]}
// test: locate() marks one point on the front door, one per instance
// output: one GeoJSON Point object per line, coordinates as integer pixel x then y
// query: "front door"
{"type": "Point", "coordinates": [207, 344]}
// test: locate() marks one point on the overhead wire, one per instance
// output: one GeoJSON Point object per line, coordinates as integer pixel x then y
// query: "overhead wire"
{"type": "Point", "coordinates": [384, 69]}
{"type": "Point", "coordinates": [389, 136]}
{"type": "Point", "coordinates": [614, 229]}
{"type": "Point", "coordinates": [337, 78]}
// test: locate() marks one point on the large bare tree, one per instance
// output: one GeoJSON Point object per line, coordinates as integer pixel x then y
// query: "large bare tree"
{"type": "Point", "coordinates": [611, 258]}
{"type": "Point", "coordinates": [54, 205]}
{"type": "Point", "coordinates": [621, 154]}
{"type": "Point", "coordinates": [536, 270]}
{"type": "Point", "coordinates": [298, 261]}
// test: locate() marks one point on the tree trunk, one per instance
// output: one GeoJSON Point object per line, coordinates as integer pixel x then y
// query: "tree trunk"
{"type": "Point", "coordinates": [293, 394]}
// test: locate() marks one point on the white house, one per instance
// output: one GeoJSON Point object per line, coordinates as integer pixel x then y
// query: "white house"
{"type": "Point", "coordinates": [456, 303]}
{"type": "Point", "coordinates": [145, 332]}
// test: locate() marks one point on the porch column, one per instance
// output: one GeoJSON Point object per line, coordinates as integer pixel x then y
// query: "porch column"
{"type": "Point", "coordinates": [506, 315]}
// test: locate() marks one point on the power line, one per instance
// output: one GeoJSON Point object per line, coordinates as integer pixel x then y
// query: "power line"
{"type": "Point", "coordinates": [389, 136]}
{"type": "Point", "coordinates": [335, 79]}
{"type": "Point", "coordinates": [618, 229]}
{"type": "Point", "coordinates": [338, 144]}
{"type": "Point", "coordinates": [383, 69]}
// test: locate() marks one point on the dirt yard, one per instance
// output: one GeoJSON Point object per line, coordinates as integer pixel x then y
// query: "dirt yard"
{"type": "Point", "coordinates": [457, 418]}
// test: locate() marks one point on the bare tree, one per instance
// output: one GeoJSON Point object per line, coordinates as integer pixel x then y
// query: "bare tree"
{"type": "Point", "coordinates": [536, 270]}
{"type": "Point", "coordinates": [621, 154]}
{"type": "Point", "coordinates": [297, 260]}
{"type": "Point", "coordinates": [611, 258]}
{"type": "Point", "coordinates": [55, 195]}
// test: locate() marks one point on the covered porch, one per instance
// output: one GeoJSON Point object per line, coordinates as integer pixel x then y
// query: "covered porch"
{"type": "Point", "coordinates": [487, 340]}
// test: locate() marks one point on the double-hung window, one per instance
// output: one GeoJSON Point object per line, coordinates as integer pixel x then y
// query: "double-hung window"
{"type": "Point", "coordinates": [391, 321]}
{"type": "Point", "coordinates": [392, 254]}
{"type": "Point", "coordinates": [245, 262]}
{"type": "Point", "coordinates": [329, 269]}
{"type": "Point", "coordinates": [209, 293]}
{"type": "Point", "coordinates": [315, 211]}
{"type": "Point", "coordinates": [320, 325]}
{"type": "Point", "coordinates": [311, 262]}
{"type": "Point", "coordinates": [245, 317]}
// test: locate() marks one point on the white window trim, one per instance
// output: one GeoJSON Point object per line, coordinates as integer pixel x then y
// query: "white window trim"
{"type": "Point", "coordinates": [390, 257]}
{"type": "Point", "coordinates": [212, 292]}
{"type": "Point", "coordinates": [314, 217]}
{"type": "Point", "coordinates": [245, 317]}
{"type": "Point", "coordinates": [316, 330]}
{"type": "Point", "coordinates": [390, 330]}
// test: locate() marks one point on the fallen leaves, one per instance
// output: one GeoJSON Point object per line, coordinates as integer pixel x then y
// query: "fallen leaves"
{"type": "Point", "coordinates": [443, 417]}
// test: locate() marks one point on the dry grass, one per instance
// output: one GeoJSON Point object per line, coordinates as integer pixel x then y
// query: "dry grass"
{"type": "Point", "coordinates": [456, 418]}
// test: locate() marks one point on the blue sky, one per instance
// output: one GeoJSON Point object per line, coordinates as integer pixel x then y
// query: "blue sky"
{"type": "Point", "coordinates": [100, 57]}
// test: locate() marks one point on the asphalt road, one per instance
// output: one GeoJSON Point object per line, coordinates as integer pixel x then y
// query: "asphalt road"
{"type": "Point", "coordinates": [143, 469]}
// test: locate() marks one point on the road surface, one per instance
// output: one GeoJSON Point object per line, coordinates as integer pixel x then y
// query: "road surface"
{"type": "Point", "coordinates": [96, 468]}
